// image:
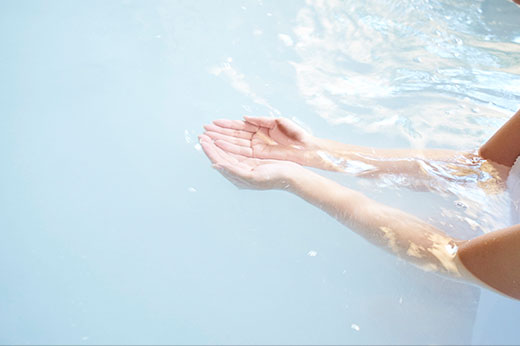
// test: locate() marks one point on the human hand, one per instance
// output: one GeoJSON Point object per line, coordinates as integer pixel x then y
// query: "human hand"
{"type": "Point", "coordinates": [250, 173]}
{"type": "Point", "coordinates": [263, 137]}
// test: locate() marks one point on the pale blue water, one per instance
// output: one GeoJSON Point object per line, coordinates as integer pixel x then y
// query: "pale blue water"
{"type": "Point", "coordinates": [115, 230]}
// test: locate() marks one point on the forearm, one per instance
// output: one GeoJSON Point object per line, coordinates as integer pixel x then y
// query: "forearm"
{"type": "Point", "coordinates": [372, 162]}
{"type": "Point", "coordinates": [391, 229]}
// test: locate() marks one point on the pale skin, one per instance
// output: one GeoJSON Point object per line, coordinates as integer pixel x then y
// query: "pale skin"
{"type": "Point", "coordinates": [268, 153]}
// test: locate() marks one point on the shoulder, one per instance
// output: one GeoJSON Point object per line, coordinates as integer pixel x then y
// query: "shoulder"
{"type": "Point", "coordinates": [494, 260]}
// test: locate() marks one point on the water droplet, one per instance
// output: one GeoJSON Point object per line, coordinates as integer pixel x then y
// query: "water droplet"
{"type": "Point", "coordinates": [460, 204]}
{"type": "Point", "coordinates": [452, 249]}
{"type": "Point", "coordinates": [286, 39]}
{"type": "Point", "coordinates": [187, 136]}
{"type": "Point", "coordinates": [192, 189]}
{"type": "Point", "coordinates": [312, 253]}
{"type": "Point", "coordinates": [355, 327]}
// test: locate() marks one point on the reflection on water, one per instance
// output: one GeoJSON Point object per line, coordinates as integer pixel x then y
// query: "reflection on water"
{"type": "Point", "coordinates": [438, 72]}
{"type": "Point", "coordinates": [115, 230]}
{"type": "Point", "coordinates": [366, 63]}
{"type": "Point", "coordinates": [476, 187]}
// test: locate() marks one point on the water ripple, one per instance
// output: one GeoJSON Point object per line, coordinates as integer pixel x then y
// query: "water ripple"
{"type": "Point", "coordinates": [363, 63]}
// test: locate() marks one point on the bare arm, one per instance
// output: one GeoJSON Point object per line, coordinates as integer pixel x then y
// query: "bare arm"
{"type": "Point", "coordinates": [282, 139]}
{"type": "Point", "coordinates": [504, 146]}
{"type": "Point", "coordinates": [494, 259]}
{"type": "Point", "coordinates": [393, 230]}
{"type": "Point", "coordinates": [389, 228]}
{"type": "Point", "coordinates": [372, 162]}
{"type": "Point", "coordinates": [491, 260]}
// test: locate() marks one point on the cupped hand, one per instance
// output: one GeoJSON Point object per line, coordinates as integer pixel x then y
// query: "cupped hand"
{"type": "Point", "coordinates": [249, 173]}
{"type": "Point", "coordinates": [263, 137]}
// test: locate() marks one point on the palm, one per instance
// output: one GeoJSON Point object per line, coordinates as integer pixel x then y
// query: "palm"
{"type": "Point", "coordinates": [246, 172]}
{"type": "Point", "coordinates": [266, 138]}
{"type": "Point", "coordinates": [263, 169]}
{"type": "Point", "coordinates": [266, 144]}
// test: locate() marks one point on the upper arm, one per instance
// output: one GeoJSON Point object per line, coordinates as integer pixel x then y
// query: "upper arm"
{"type": "Point", "coordinates": [504, 146]}
{"type": "Point", "coordinates": [494, 259]}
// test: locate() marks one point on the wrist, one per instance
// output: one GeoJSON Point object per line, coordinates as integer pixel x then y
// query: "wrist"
{"type": "Point", "coordinates": [302, 180]}
{"type": "Point", "coordinates": [295, 177]}
{"type": "Point", "coordinates": [321, 154]}
{"type": "Point", "coordinates": [310, 154]}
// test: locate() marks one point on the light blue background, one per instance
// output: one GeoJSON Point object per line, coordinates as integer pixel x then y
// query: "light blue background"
{"type": "Point", "coordinates": [113, 227]}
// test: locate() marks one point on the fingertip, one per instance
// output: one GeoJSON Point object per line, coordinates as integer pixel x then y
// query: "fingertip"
{"type": "Point", "coordinates": [203, 138]}
{"type": "Point", "coordinates": [218, 167]}
{"type": "Point", "coordinates": [222, 144]}
{"type": "Point", "coordinates": [221, 123]}
{"type": "Point", "coordinates": [207, 134]}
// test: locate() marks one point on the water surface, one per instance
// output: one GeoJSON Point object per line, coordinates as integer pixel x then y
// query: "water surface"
{"type": "Point", "coordinates": [115, 229]}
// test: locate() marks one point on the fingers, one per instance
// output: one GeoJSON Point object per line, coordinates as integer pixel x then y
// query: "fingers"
{"type": "Point", "coordinates": [233, 148]}
{"type": "Point", "coordinates": [229, 132]}
{"type": "Point", "coordinates": [228, 164]}
{"type": "Point", "coordinates": [215, 154]}
{"type": "Point", "coordinates": [290, 129]}
{"type": "Point", "coordinates": [240, 158]}
{"type": "Point", "coordinates": [234, 140]}
{"type": "Point", "coordinates": [236, 125]}
{"type": "Point", "coordinates": [261, 121]}
{"type": "Point", "coordinates": [209, 149]}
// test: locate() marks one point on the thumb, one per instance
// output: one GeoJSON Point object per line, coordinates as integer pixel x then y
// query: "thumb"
{"type": "Point", "coordinates": [290, 129]}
